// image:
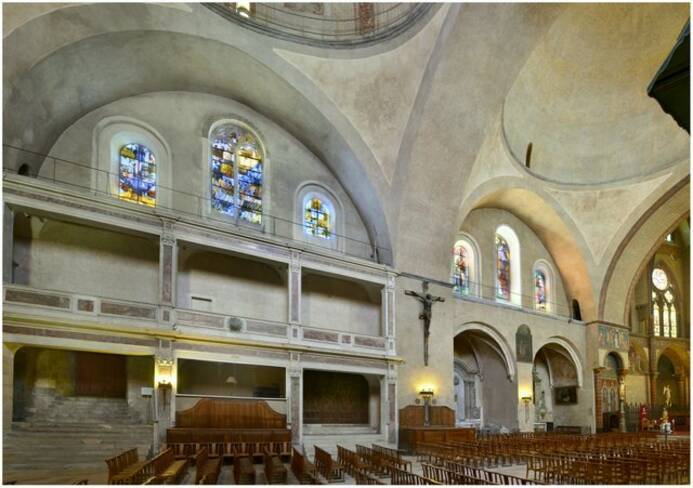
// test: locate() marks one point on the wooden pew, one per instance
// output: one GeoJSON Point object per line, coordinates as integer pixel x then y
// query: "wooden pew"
{"type": "Point", "coordinates": [243, 469]}
{"type": "Point", "coordinates": [401, 477]}
{"type": "Point", "coordinates": [167, 469]}
{"type": "Point", "coordinates": [206, 467]}
{"type": "Point", "coordinates": [327, 467]}
{"type": "Point", "coordinates": [275, 472]}
{"type": "Point", "coordinates": [303, 469]}
{"type": "Point", "coordinates": [363, 478]}
{"type": "Point", "coordinates": [122, 468]}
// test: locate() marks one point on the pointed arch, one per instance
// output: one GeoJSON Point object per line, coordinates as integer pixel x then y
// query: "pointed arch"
{"type": "Point", "coordinates": [503, 347]}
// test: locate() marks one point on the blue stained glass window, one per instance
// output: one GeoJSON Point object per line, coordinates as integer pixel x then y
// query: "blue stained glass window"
{"type": "Point", "coordinates": [137, 174]}
{"type": "Point", "coordinates": [236, 174]}
{"type": "Point", "coordinates": [460, 272]}
{"type": "Point", "coordinates": [317, 220]}
{"type": "Point", "coordinates": [502, 268]}
{"type": "Point", "coordinates": [540, 290]}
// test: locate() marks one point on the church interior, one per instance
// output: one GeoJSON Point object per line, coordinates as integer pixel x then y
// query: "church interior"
{"type": "Point", "coordinates": [346, 243]}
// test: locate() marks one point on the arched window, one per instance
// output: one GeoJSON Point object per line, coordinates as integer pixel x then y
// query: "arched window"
{"type": "Point", "coordinates": [137, 174]}
{"type": "Point", "coordinates": [318, 217]}
{"type": "Point", "coordinates": [664, 310]}
{"type": "Point", "coordinates": [503, 268]}
{"type": "Point", "coordinates": [236, 173]}
{"type": "Point", "coordinates": [507, 250]}
{"type": "Point", "coordinates": [543, 286]}
{"type": "Point", "coordinates": [464, 268]}
{"type": "Point", "coordinates": [540, 301]}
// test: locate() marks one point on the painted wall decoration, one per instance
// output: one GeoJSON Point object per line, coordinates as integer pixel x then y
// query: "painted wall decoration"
{"type": "Point", "coordinates": [565, 395]}
{"type": "Point", "coordinates": [523, 345]}
{"type": "Point", "coordinates": [613, 337]}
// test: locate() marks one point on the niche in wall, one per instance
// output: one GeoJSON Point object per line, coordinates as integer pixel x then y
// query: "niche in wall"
{"type": "Point", "coordinates": [229, 379]}
{"type": "Point", "coordinates": [335, 398]}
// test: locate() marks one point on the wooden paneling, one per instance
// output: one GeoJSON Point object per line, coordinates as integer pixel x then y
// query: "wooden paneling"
{"type": "Point", "coordinates": [185, 435]}
{"type": "Point", "coordinates": [334, 398]}
{"type": "Point", "coordinates": [100, 375]}
{"type": "Point", "coordinates": [413, 416]}
{"type": "Point", "coordinates": [410, 437]}
{"type": "Point", "coordinates": [231, 414]}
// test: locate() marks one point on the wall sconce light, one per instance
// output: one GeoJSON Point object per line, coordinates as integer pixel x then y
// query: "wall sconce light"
{"type": "Point", "coordinates": [164, 372]}
{"type": "Point", "coordinates": [243, 9]}
{"type": "Point", "coordinates": [426, 393]}
{"type": "Point", "coordinates": [526, 400]}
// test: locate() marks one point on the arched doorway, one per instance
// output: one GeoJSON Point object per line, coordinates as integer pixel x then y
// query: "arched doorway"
{"type": "Point", "coordinates": [485, 387]}
{"type": "Point", "coordinates": [556, 380]}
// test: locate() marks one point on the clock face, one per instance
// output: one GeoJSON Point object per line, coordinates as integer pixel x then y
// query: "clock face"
{"type": "Point", "coordinates": [659, 279]}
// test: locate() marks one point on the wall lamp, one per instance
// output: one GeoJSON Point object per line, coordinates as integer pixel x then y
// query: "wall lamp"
{"type": "Point", "coordinates": [243, 9]}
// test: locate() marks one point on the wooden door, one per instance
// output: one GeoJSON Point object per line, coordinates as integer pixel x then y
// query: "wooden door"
{"type": "Point", "coordinates": [100, 375]}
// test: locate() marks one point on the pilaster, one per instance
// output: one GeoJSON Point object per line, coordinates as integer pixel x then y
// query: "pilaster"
{"type": "Point", "coordinates": [164, 391]}
{"type": "Point", "coordinates": [388, 313]}
{"type": "Point", "coordinates": [295, 288]}
{"type": "Point", "coordinates": [295, 397]}
{"type": "Point", "coordinates": [7, 244]}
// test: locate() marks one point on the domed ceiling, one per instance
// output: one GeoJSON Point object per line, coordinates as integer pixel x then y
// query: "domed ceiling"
{"type": "Point", "coordinates": [581, 98]}
{"type": "Point", "coordinates": [333, 25]}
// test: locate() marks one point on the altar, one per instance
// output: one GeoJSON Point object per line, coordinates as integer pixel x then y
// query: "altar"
{"type": "Point", "coordinates": [442, 429]}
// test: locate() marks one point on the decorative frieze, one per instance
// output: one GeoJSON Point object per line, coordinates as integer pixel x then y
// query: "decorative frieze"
{"type": "Point", "coordinates": [266, 328]}
{"type": "Point", "coordinates": [374, 342]}
{"type": "Point", "coordinates": [128, 310]}
{"type": "Point", "coordinates": [320, 335]}
{"type": "Point", "coordinates": [43, 299]}
{"type": "Point", "coordinates": [195, 319]}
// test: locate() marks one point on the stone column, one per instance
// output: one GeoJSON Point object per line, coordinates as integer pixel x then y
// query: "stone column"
{"type": "Point", "coordinates": [388, 313]}
{"type": "Point", "coordinates": [295, 399]}
{"type": "Point", "coordinates": [681, 383]}
{"type": "Point", "coordinates": [8, 352]}
{"type": "Point", "coordinates": [295, 288]}
{"type": "Point", "coordinates": [7, 244]}
{"type": "Point", "coordinates": [525, 409]}
{"type": "Point", "coordinates": [622, 400]}
{"type": "Point", "coordinates": [390, 397]}
{"type": "Point", "coordinates": [168, 268]}
{"type": "Point", "coordinates": [599, 420]}
{"type": "Point", "coordinates": [164, 391]}
{"type": "Point", "coordinates": [653, 387]}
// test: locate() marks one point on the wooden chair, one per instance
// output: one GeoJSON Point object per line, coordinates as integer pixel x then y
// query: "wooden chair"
{"type": "Point", "coordinates": [243, 469]}
{"type": "Point", "coordinates": [206, 467]}
{"type": "Point", "coordinates": [275, 472]}
{"type": "Point", "coordinates": [327, 467]}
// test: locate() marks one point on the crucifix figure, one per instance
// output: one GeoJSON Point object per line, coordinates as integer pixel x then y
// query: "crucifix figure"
{"type": "Point", "coordinates": [427, 301]}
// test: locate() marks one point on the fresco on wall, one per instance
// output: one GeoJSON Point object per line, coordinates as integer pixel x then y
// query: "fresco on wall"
{"type": "Point", "coordinates": [613, 337]}
{"type": "Point", "coordinates": [523, 344]}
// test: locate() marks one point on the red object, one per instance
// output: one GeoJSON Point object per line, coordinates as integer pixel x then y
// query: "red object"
{"type": "Point", "coordinates": [643, 416]}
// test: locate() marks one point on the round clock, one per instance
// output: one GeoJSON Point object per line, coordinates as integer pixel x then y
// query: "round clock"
{"type": "Point", "coordinates": [659, 279]}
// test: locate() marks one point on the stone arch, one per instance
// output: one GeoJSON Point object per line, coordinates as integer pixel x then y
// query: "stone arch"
{"type": "Point", "coordinates": [570, 349]}
{"type": "Point", "coordinates": [638, 246]}
{"type": "Point", "coordinates": [504, 348]}
{"type": "Point", "coordinates": [312, 118]}
{"type": "Point", "coordinates": [550, 223]}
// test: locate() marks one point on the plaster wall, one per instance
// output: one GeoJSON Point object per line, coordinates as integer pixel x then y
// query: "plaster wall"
{"type": "Point", "coordinates": [236, 286]}
{"type": "Point", "coordinates": [183, 120]}
{"type": "Point", "coordinates": [481, 224]}
{"type": "Point", "coordinates": [62, 256]}
{"type": "Point", "coordinates": [332, 303]}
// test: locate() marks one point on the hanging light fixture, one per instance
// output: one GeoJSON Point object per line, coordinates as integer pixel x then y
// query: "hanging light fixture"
{"type": "Point", "coordinates": [243, 9]}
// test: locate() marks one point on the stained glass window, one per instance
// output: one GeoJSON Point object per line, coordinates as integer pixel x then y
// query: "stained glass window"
{"type": "Point", "coordinates": [664, 319]}
{"type": "Point", "coordinates": [460, 271]}
{"type": "Point", "coordinates": [236, 173]}
{"type": "Point", "coordinates": [502, 268]}
{"type": "Point", "coordinates": [317, 220]}
{"type": "Point", "coordinates": [540, 290]}
{"type": "Point", "coordinates": [137, 174]}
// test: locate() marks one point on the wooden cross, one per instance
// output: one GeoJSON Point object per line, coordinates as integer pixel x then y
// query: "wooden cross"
{"type": "Point", "coordinates": [427, 301]}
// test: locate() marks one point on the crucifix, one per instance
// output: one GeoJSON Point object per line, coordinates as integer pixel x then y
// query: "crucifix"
{"type": "Point", "coordinates": [427, 301]}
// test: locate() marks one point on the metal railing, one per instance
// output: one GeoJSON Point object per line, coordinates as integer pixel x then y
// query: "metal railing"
{"type": "Point", "coordinates": [84, 178]}
{"type": "Point", "coordinates": [333, 25]}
